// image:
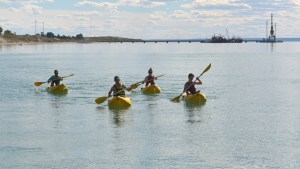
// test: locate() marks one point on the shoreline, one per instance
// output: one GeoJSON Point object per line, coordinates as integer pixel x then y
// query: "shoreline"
{"type": "Point", "coordinates": [28, 43]}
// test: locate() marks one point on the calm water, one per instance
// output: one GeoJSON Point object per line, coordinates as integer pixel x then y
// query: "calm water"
{"type": "Point", "coordinates": [251, 118]}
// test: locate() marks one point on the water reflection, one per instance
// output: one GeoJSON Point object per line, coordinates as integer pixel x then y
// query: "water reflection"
{"type": "Point", "coordinates": [57, 101]}
{"type": "Point", "coordinates": [194, 112]}
{"type": "Point", "coordinates": [119, 116]}
{"type": "Point", "coordinates": [100, 108]}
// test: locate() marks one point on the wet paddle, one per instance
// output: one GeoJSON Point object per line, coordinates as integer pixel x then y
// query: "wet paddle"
{"type": "Point", "coordinates": [176, 99]}
{"type": "Point", "coordinates": [134, 86]}
{"type": "Point", "coordinates": [40, 83]}
{"type": "Point", "coordinates": [104, 98]}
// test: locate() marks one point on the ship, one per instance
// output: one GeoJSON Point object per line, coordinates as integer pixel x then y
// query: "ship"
{"type": "Point", "coordinates": [271, 38]}
{"type": "Point", "coordinates": [222, 39]}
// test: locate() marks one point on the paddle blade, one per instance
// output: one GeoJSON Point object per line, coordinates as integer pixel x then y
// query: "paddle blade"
{"type": "Point", "coordinates": [38, 83]}
{"type": "Point", "coordinates": [176, 99]}
{"type": "Point", "coordinates": [160, 76]}
{"type": "Point", "coordinates": [101, 99]}
{"type": "Point", "coordinates": [68, 76]}
{"type": "Point", "coordinates": [206, 69]}
{"type": "Point", "coordinates": [135, 86]}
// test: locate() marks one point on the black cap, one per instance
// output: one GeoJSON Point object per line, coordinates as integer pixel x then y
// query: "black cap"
{"type": "Point", "coordinates": [191, 74]}
{"type": "Point", "coordinates": [150, 70]}
{"type": "Point", "coordinates": [55, 71]}
{"type": "Point", "coordinates": [117, 78]}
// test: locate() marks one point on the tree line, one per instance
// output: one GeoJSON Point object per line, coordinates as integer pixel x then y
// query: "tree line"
{"type": "Point", "coordinates": [9, 34]}
{"type": "Point", "coordinates": [51, 35]}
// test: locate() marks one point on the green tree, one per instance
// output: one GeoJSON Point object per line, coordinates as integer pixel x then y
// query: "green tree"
{"type": "Point", "coordinates": [8, 34]}
{"type": "Point", "coordinates": [1, 30]}
{"type": "Point", "coordinates": [79, 36]}
{"type": "Point", "coordinates": [50, 35]}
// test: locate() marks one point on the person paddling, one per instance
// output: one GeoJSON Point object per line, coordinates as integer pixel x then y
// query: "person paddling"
{"type": "Point", "coordinates": [55, 79]}
{"type": "Point", "coordinates": [150, 78]}
{"type": "Point", "coordinates": [118, 88]}
{"type": "Point", "coordinates": [189, 86]}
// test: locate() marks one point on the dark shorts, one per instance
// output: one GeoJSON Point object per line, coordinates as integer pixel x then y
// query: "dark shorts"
{"type": "Point", "coordinates": [56, 82]}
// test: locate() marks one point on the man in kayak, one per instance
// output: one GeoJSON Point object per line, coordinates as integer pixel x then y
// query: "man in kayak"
{"type": "Point", "coordinates": [118, 88]}
{"type": "Point", "coordinates": [55, 79]}
{"type": "Point", "coordinates": [189, 86]}
{"type": "Point", "coordinates": [150, 78]}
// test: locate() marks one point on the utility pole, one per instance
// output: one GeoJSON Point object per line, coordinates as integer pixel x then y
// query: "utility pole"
{"type": "Point", "coordinates": [275, 32]}
{"type": "Point", "coordinates": [227, 33]}
{"type": "Point", "coordinates": [266, 29]}
{"type": "Point", "coordinates": [90, 26]}
{"type": "Point", "coordinates": [35, 28]}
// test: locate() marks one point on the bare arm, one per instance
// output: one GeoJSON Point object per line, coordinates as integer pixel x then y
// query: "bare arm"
{"type": "Point", "coordinates": [198, 81]}
{"type": "Point", "coordinates": [111, 90]}
{"type": "Point", "coordinates": [127, 89]}
{"type": "Point", "coordinates": [185, 87]}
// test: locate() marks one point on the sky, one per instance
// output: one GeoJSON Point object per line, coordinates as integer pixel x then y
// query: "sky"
{"type": "Point", "coordinates": [152, 19]}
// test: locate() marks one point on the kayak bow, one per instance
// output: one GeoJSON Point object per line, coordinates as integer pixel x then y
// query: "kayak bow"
{"type": "Point", "coordinates": [60, 89]}
{"type": "Point", "coordinates": [151, 89]}
{"type": "Point", "coordinates": [119, 102]}
{"type": "Point", "coordinates": [198, 98]}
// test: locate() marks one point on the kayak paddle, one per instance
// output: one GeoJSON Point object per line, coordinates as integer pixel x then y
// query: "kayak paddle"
{"type": "Point", "coordinates": [40, 83]}
{"type": "Point", "coordinates": [102, 99]}
{"type": "Point", "coordinates": [134, 86]}
{"type": "Point", "coordinates": [176, 99]}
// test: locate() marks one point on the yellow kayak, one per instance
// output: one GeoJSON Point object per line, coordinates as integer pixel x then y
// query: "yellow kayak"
{"type": "Point", "coordinates": [60, 89]}
{"type": "Point", "coordinates": [198, 98]}
{"type": "Point", "coordinates": [119, 102]}
{"type": "Point", "coordinates": [151, 89]}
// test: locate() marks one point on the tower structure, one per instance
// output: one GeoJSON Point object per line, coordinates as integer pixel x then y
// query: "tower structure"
{"type": "Point", "coordinates": [272, 35]}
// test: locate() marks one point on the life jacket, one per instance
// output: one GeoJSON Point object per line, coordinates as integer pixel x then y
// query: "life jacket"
{"type": "Point", "coordinates": [150, 80]}
{"type": "Point", "coordinates": [55, 80]}
{"type": "Point", "coordinates": [191, 88]}
{"type": "Point", "coordinates": [119, 90]}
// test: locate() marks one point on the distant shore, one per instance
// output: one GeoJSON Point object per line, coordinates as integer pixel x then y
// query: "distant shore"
{"type": "Point", "coordinates": [30, 39]}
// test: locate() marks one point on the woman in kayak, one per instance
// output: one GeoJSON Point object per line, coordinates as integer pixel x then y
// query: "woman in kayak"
{"type": "Point", "coordinates": [118, 88]}
{"type": "Point", "coordinates": [150, 78]}
{"type": "Point", "coordinates": [55, 79]}
{"type": "Point", "coordinates": [189, 86]}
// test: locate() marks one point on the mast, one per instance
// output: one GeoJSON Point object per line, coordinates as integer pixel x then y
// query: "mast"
{"type": "Point", "coordinates": [272, 29]}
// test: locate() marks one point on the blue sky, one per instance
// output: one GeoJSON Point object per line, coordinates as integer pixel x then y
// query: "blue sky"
{"type": "Point", "coordinates": [149, 19]}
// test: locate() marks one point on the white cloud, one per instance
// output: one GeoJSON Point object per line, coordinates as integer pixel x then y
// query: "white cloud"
{"type": "Point", "coordinates": [108, 5]}
{"type": "Point", "coordinates": [216, 3]}
{"type": "Point", "coordinates": [88, 13]}
{"type": "Point", "coordinates": [111, 5]}
{"type": "Point", "coordinates": [157, 16]}
{"type": "Point", "coordinates": [295, 2]}
{"type": "Point", "coordinates": [7, 1]}
{"type": "Point", "coordinates": [141, 3]}
{"type": "Point", "coordinates": [33, 9]}
{"type": "Point", "coordinates": [26, 1]}
{"type": "Point", "coordinates": [36, 1]}
{"type": "Point", "coordinates": [211, 13]}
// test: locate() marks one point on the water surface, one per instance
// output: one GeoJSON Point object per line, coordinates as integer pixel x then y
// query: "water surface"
{"type": "Point", "coordinates": [250, 120]}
